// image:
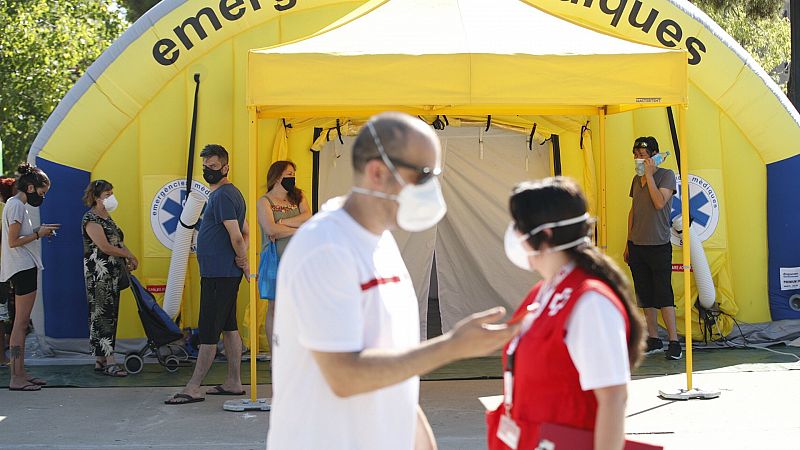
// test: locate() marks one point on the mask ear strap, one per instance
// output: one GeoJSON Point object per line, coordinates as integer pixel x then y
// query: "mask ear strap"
{"type": "Point", "coordinates": [384, 155]}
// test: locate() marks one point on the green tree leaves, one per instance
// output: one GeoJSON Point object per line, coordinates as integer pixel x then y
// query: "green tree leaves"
{"type": "Point", "coordinates": [136, 8]}
{"type": "Point", "coordinates": [758, 25]}
{"type": "Point", "coordinates": [45, 46]}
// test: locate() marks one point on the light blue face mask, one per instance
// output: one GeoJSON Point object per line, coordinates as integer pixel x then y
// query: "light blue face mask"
{"type": "Point", "coordinates": [518, 255]}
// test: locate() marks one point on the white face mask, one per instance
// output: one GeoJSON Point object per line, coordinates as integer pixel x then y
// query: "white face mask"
{"type": "Point", "coordinates": [110, 203]}
{"type": "Point", "coordinates": [518, 254]}
{"type": "Point", "coordinates": [420, 206]}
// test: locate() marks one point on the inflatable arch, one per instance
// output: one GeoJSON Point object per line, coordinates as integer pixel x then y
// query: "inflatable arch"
{"type": "Point", "coordinates": [128, 120]}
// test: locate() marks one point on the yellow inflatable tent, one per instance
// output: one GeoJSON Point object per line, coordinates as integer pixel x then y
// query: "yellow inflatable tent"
{"type": "Point", "coordinates": [277, 78]}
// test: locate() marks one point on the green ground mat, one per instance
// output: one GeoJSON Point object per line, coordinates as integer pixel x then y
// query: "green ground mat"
{"type": "Point", "coordinates": [153, 375]}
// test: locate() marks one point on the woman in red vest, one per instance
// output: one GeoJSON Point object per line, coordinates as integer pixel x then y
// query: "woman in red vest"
{"type": "Point", "coordinates": [579, 335]}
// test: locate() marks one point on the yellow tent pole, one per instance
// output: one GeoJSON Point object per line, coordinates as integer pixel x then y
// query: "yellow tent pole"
{"type": "Point", "coordinates": [252, 220]}
{"type": "Point", "coordinates": [603, 204]}
{"type": "Point", "coordinates": [687, 255]}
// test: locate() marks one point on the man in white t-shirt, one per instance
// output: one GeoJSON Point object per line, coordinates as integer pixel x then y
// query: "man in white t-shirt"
{"type": "Point", "coordinates": [347, 353]}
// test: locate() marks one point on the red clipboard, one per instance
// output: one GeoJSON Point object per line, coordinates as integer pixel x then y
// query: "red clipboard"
{"type": "Point", "coordinates": [559, 437]}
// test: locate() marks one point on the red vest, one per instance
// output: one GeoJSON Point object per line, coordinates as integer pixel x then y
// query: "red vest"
{"type": "Point", "coordinates": [546, 383]}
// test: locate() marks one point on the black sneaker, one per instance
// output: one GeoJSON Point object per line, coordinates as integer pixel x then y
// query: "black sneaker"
{"type": "Point", "coordinates": [654, 345]}
{"type": "Point", "coordinates": [674, 350]}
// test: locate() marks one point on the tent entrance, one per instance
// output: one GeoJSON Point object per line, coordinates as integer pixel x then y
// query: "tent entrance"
{"type": "Point", "coordinates": [472, 272]}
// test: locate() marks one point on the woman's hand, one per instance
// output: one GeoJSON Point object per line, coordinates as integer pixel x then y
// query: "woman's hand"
{"type": "Point", "coordinates": [133, 263]}
{"type": "Point", "coordinates": [46, 230]}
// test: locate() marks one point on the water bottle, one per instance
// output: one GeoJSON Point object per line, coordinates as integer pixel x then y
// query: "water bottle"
{"type": "Point", "coordinates": [658, 158]}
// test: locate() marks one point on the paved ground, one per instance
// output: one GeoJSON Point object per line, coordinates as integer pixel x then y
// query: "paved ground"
{"type": "Point", "coordinates": [757, 410]}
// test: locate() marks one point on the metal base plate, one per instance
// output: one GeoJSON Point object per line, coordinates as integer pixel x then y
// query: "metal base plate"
{"type": "Point", "coordinates": [241, 405]}
{"type": "Point", "coordinates": [689, 394]}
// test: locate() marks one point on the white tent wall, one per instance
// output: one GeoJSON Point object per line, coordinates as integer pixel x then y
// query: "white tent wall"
{"type": "Point", "coordinates": [472, 269]}
{"type": "Point", "coordinates": [335, 179]}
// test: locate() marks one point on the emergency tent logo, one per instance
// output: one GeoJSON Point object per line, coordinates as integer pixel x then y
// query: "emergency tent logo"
{"type": "Point", "coordinates": [166, 209]}
{"type": "Point", "coordinates": [703, 209]}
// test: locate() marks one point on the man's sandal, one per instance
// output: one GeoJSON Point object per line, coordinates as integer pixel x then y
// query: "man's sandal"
{"type": "Point", "coordinates": [182, 399]}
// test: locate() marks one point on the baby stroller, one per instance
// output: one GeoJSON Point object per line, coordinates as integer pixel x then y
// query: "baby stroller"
{"type": "Point", "coordinates": [162, 334]}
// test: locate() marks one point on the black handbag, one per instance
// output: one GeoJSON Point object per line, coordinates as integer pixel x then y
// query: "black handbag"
{"type": "Point", "coordinates": [124, 281]}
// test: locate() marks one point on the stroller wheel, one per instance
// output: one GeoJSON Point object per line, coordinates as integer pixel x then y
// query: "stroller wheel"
{"type": "Point", "coordinates": [171, 363]}
{"type": "Point", "coordinates": [133, 363]}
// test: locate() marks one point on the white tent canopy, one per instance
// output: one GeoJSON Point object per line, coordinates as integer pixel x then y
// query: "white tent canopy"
{"type": "Point", "coordinates": [461, 54]}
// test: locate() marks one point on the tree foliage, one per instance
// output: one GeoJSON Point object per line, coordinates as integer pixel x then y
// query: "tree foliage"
{"type": "Point", "coordinates": [756, 9]}
{"type": "Point", "coordinates": [136, 8]}
{"type": "Point", "coordinates": [759, 26]}
{"type": "Point", "coordinates": [45, 46]}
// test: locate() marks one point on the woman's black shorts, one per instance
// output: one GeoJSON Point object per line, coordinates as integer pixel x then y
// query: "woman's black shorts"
{"type": "Point", "coordinates": [25, 282]}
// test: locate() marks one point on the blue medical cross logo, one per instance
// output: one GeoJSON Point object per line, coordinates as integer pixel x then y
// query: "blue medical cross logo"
{"type": "Point", "coordinates": [696, 202]}
{"type": "Point", "coordinates": [175, 209]}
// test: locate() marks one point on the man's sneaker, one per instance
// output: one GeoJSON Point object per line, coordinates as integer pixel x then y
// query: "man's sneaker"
{"type": "Point", "coordinates": [674, 350]}
{"type": "Point", "coordinates": [654, 345]}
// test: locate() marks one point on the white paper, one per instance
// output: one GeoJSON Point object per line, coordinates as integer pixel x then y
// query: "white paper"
{"type": "Point", "coordinates": [492, 402]}
{"type": "Point", "coordinates": [790, 278]}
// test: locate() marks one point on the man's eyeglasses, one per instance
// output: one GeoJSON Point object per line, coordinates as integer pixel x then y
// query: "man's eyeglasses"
{"type": "Point", "coordinates": [424, 173]}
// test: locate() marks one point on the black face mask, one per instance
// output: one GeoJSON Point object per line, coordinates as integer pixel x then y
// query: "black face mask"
{"type": "Point", "coordinates": [34, 199]}
{"type": "Point", "coordinates": [288, 183]}
{"type": "Point", "coordinates": [212, 176]}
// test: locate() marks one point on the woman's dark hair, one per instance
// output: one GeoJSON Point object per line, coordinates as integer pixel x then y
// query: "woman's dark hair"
{"type": "Point", "coordinates": [30, 175]}
{"type": "Point", "coordinates": [559, 198]}
{"type": "Point", "coordinates": [274, 173]}
{"type": "Point", "coordinates": [7, 189]}
{"type": "Point", "coordinates": [94, 190]}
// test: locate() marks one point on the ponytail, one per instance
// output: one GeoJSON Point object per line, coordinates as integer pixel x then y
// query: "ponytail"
{"type": "Point", "coordinates": [604, 268]}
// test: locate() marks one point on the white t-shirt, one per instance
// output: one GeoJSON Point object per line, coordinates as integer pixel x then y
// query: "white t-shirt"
{"type": "Point", "coordinates": [340, 289]}
{"type": "Point", "coordinates": [597, 342]}
{"type": "Point", "coordinates": [19, 258]}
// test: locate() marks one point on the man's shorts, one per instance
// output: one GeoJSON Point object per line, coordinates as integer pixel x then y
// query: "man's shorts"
{"type": "Point", "coordinates": [25, 282]}
{"type": "Point", "coordinates": [217, 307]}
{"type": "Point", "coordinates": [651, 267]}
